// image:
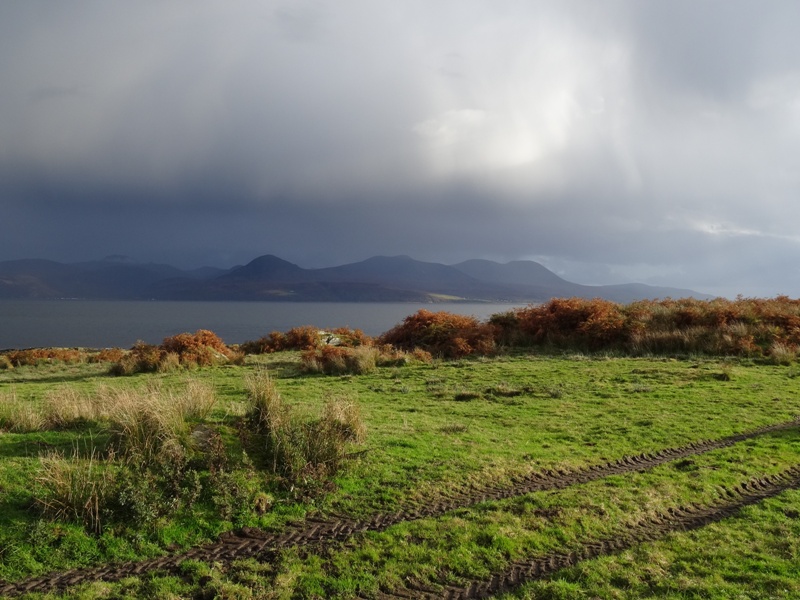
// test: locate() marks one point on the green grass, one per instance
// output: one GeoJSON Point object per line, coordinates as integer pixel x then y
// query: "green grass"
{"type": "Point", "coordinates": [431, 429]}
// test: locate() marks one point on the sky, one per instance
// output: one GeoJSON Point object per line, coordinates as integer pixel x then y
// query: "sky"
{"type": "Point", "coordinates": [614, 141]}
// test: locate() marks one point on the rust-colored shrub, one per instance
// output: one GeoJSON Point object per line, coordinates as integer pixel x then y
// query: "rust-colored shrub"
{"type": "Point", "coordinates": [107, 355]}
{"type": "Point", "coordinates": [203, 348]}
{"type": "Point", "coordinates": [306, 337]}
{"type": "Point", "coordinates": [506, 330]}
{"type": "Point", "coordinates": [303, 338]}
{"type": "Point", "coordinates": [741, 327]}
{"type": "Point", "coordinates": [297, 338]}
{"type": "Point", "coordinates": [146, 357]}
{"type": "Point", "coordinates": [592, 324]}
{"type": "Point", "coordinates": [351, 338]}
{"type": "Point", "coordinates": [274, 342]}
{"type": "Point", "coordinates": [442, 334]}
{"type": "Point", "coordinates": [35, 356]}
{"type": "Point", "coordinates": [422, 356]}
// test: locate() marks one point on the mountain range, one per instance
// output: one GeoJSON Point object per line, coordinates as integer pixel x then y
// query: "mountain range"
{"type": "Point", "coordinates": [377, 279]}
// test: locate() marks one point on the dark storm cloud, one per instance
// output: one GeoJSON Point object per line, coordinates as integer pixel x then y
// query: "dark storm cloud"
{"type": "Point", "coordinates": [612, 141]}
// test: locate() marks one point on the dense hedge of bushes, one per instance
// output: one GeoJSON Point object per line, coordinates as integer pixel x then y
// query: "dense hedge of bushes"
{"type": "Point", "coordinates": [741, 327]}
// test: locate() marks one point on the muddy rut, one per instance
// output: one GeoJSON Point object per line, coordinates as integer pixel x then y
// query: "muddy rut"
{"type": "Point", "coordinates": [249, 543]}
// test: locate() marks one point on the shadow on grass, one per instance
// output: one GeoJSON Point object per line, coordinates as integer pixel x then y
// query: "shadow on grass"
{"type": "Point", "coordinates": [81, 441]}
{"type": "Point", "coordinates": [286, 369]}
{"type": "Point", "coordinates": [55, 378]}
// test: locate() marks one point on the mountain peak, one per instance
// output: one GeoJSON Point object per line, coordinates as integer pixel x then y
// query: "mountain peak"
{"type": "Point", "coordinates": [270, 260]}
{"type": "Point", "coordinates": [518, 272]}
{"type": "Point", "coordinates": [267, 266]}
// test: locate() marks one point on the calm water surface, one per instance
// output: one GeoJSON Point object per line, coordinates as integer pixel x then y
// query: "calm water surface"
{"type": "Point", "coordinates": [100, 324]}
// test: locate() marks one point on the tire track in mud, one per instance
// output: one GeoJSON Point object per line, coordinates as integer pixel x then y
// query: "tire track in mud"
{"type": "Point", "coordinates": [248, 543]}
{"type": "Point", "coordinates": [685, 518]}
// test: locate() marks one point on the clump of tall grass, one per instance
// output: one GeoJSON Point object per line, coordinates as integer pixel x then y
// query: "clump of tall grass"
{"type": "Point", "coordinates": [342, 413]}
{"type": "Point", "coordinates": [19, 415]}
{"type": "Point", "coordinates": [66, 406]}
{"type": "Point", "coordinates": [326, 438]}
{"type": "Point", "coordinates": [161, 456]}
{"type": "Point", "coordinates": [390, 356]}
{"type": "Point", "coordinates": [336, 360]}
{"type": "Point", "coordinates": [76, 489]}
{"type": "Point", "coordinates": [301, 449]}
{"type": "Point", "coordinates": [266, 411]}
{"type": "Point", "coordinates": [782, 354]}
{"type": "Point", "coordinates": [142, 422]}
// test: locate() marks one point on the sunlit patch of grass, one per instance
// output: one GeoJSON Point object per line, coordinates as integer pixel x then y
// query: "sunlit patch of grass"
{"type": "Point", "coordinates": [531, 413]}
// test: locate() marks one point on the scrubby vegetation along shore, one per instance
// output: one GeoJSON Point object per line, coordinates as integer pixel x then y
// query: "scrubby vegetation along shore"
{"type": "Point", "coordinates": [764, 328]}
{"type": "Point", "coordinates": [741, 327]}
{"type": "Point", "coordinates": [353, 432]}
{"type": "Point", "coordinates": [34, 356]}
{"type": "Point", "coordinates": [749, 327]}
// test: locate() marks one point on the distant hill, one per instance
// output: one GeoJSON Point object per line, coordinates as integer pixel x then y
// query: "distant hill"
{"type": "Point", "coordinates": [110, 279]}
{"type": "Point", "coordinates": [529, 279]}
{"type": "Point", "coordinates": [518, 272]}
{"type": "Point", "coordinates": [377, 279]}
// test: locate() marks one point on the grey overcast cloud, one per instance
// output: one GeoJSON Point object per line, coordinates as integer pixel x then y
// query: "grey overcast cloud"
{"type": "Point", "coordinates": [613, 141]}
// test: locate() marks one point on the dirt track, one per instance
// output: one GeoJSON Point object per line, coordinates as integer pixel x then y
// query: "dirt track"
{"type": "Point", "coordinates": [680, 519]}
{"type": "Point", "coordinates": [252, 543]}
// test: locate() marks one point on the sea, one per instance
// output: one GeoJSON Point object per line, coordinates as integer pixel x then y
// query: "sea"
{"type": "Point", "coordinates": [121, 323]}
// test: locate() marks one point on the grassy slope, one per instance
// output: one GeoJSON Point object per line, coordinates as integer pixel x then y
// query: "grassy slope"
{"type": "Point", "coordinates": [525, 414]}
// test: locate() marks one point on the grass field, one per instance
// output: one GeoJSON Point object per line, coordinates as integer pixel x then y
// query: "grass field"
{"type": "Point", "coordinates": [433, 432]}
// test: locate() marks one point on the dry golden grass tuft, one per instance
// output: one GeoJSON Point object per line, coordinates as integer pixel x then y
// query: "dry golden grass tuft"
{"type": "Point", "coordinates": [74, 489]}
{"type": "Point", "coordinates": [19, 415]}
{"type": "Point", "coordinates": [301, 449]}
